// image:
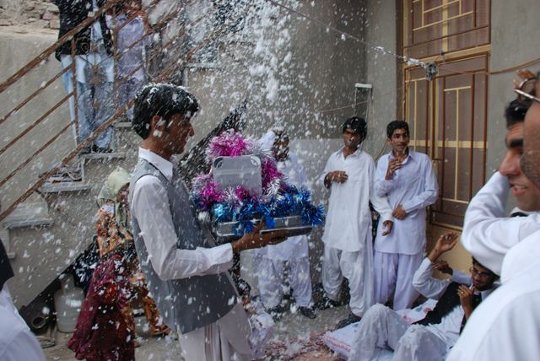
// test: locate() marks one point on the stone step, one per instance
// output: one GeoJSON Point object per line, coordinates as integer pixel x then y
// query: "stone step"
{"type": "Point", "coordinates": [102, 156]}
{"type": "Point", "coordinates": [28, 215]}
{"type": "Point", "coordinates": [62, 187]}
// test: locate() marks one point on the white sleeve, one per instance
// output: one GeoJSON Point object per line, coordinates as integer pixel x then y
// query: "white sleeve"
{"type": "Point", "coordinates": [424, 283]}
{"type": "Point", "coordinates": [382, 186]}
{"type": "Point", "coordinates": [487, 232]}
{"type": "Point", "coordinates": [327, 168]}
{"type": "Point", "coordinates": [380, 204]}
{"type": "Point", "coordinates": [150, 206]}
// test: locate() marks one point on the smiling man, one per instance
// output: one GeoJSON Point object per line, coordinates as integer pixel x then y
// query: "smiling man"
{"type": "Point", "coordinates": [507, 326]}
{"type": "Point", "coordinates": [488, 232]}
{"type": "Point", "coordinates": [408, 180]}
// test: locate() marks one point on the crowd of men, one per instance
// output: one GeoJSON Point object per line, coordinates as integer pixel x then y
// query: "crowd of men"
{"type": "Point", "coordinates": [354, 182]}
{"type": "Point", "coordinates": [187, 273]}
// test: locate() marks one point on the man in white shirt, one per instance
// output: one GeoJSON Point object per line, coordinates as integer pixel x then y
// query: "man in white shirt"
{"type": "Point", "coordinates": [430, 338]}
{"type": "Point", "coordinates": [186, 273]}
{"type": "Point", "coordinates": [408, 180]}
{"type": "Point", "coordinates": [17, 342]}
{"type": "Point", "coordinates": [293, 252]}
{"type": "Point", "coordinates": [488, 232]}
{"type": "Point", "coordinates": [507, 327]}
{"type": "Point", "coordinates": [348, 246]}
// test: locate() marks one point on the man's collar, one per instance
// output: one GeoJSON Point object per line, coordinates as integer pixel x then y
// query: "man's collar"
{"type": "Point", "coordinates": [355, 154]}
{"type": "Point", "coordinates": [410, 154]}
{"type": "Point", "coordinates": [516, 212]}
{"type": "Point", "coordinates": [162, 164]}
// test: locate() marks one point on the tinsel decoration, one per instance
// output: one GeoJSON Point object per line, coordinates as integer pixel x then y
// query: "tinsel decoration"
{"type": "Point", "coordinates": [238, 204]}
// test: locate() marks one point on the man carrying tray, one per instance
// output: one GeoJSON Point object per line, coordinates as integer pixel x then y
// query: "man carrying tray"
{"type": "Point", "coordinates": [186, 274]}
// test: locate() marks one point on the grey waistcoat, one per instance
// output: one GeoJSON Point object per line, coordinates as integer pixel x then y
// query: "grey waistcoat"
{"type": "Point", "coordinates": [188, 303]}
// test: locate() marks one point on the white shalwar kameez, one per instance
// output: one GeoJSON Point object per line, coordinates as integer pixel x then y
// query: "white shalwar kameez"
{"type": "Point", "coordinates": [271, 259]}
{"type": "Point", "coordinates": [507, 325]}
{"type": "Point", "coordinates": [398, 255]}
{"type": "Point", "coordinates": [382, 327]}
{"type": "Point", "coordinates": [348, 246]}
{"type": "Point", "coordinates": [227, 338]}
{"type": "Point", "coordinates": [488, 232]}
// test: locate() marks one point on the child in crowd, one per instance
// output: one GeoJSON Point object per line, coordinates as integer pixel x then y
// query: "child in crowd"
{"type": "Point", "coordinates": [113, 231]}
{"type": "Point", "coordinates": [104, 329]}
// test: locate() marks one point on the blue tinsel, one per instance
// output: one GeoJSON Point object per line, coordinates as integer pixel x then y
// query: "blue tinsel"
{"type": "Point", "coordinates": [294, 202]}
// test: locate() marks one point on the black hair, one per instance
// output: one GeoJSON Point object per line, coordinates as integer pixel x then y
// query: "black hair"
{"type": "Point", "coordinates": [281, 135]}
{"type": "Point", "coordinates": [394, 125]}
{"type": "Point", "coordinates": [515, 111]}
{"type": "Point", "coordinates": [357, 125]}
{"type": "Point", "coordinates": [163, 100]}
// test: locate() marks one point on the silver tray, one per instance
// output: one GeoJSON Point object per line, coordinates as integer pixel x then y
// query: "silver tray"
{"type": "Point", "coordinates": [293, 225]}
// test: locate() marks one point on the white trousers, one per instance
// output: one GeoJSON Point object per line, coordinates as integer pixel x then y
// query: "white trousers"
{"type": "Point", "coordinates": [393, 274]}
{"type": "Point", "coordinates": [382, 328]}
{"type": "Point", "coordinates": [271, 277]}
{"type": "Point", "coordinates": [357, 268]}
{"type": "Point", "coordinates": [224, 340]}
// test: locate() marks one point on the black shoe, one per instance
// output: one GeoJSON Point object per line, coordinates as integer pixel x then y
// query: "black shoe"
{"type": "Point", "coordinates": [307, 312]}
{"type": "Point", "coordinates": [276, 312]}
{"type": "Point", "coordinates": [326, 303]}
{"type": "Point", "coordinates": [352, 318]}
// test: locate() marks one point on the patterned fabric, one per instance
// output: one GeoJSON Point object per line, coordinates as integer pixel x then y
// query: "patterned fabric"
{"type": "Point", "coordinates": [110, 235]}
{"type": "Point", "coordinates": [104, 328]}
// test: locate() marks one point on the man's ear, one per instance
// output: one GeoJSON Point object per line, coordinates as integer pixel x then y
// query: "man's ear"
{"type": "Point", "coordinates": [157, 123]}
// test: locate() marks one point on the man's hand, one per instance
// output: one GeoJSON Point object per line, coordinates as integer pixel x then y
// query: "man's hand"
{"type": "Point", "coordinates": [388, 225]}
{"type": "Point", "coordinates": [256, 239]}
{"type": "Point", "coordinates": [393, 165]}
{"type": "Point", "coordinates": [442, 266]}
{"type": "Point", "coordinates": [337, 176]}
{"type": "Point", "coordinates": [466, 295]}
{"type": "Point", "coordinates": [399, 213]}
{"type": "Point", "coordinates": [445, 243]}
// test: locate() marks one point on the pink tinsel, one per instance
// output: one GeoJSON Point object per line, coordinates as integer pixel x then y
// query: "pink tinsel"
{"type": "Point", "coordinates": [242, 193]}
{"type": "Point", "coordinates": [269, 172]}
{"type": "Point", "coordinates": [200, 181]}
{"type": "Point", "coordinates": [229, 144]}
{"type": "Point", "coordinates": [210, 194]}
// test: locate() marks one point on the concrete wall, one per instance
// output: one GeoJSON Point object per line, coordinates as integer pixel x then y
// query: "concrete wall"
{"type": "Point", "coordinates": [381, 72]}
{"type": "Point", "coordinates": [514, 41]}
{"type": "Point", "coordinates": [17, 48]}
